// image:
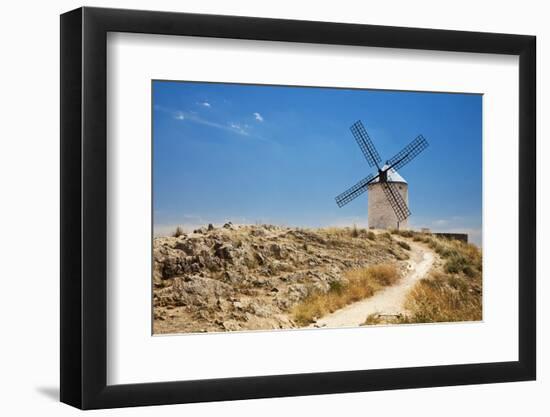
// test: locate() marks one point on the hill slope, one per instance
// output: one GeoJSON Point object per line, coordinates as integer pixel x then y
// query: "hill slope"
{"type": "Point", "coordinates": [250, 277]}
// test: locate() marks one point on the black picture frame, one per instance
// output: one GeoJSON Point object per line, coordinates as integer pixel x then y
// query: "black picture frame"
{"type": "Point", "coordinates": [84, 207]}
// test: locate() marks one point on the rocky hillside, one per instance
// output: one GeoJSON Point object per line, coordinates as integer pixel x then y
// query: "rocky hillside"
{"type": "Point", "coordinates": [249, 277]}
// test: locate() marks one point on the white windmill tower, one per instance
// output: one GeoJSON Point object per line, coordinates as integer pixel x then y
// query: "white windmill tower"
{"type": "Point", "coordinates": [388, 203]}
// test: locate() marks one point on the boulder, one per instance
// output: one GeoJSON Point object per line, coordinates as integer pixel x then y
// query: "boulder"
{"type": "Point", "coordinates": [172, 267]}
{"type": "Point", "coordinates": [276, 250]}
{"type": "Point", "coordinates": [224, 251]}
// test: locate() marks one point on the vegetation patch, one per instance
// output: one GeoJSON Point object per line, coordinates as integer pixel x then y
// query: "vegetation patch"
{"type": "Point", "coordinates": [178, 232]}
{"type": "Point", "coordinates": [358, 284]}
{"type": "Point", "coordinates": [445, 298]}
{"type": "Point", "coordinates": [404, 245]}
{"type": "Point", "coordinates": [404, 233]}
{"type": "Point", "coordinates": [452, 295]}
{"type": "Point", "coordinates": [342, 233]}
{"type": "Point", "coordinates": [377, 318]}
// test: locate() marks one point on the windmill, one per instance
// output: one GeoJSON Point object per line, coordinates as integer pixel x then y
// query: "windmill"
{"type": "Point", "coordinates": [388, 191]}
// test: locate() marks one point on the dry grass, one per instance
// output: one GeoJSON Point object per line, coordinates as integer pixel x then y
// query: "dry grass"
{"type": "Point", "coordinates": [344, 233]}
{"type": "Point", "coordinates": [445, 298]}
{"type": "Point", "coordinates": [360, 283]}
{"type": "Point", "coordinates": [404, 245]}
{"type": "Point", "coordinates": [454, 294]}
{"type": "Point", "coordinates": [404, 233]}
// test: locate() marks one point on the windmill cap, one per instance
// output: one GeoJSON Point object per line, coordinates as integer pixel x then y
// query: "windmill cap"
{"type": "Point", "coordinates": [393, 176]}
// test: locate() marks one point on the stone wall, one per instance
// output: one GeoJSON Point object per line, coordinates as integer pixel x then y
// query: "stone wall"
{"type": "Point", "coordinates": [456, 236]}
{"type": "Point", "coordinates": [380, 212]}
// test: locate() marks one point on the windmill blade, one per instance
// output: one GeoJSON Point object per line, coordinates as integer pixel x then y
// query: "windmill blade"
{"type": "Point", "coordinates": [408, 153]}
{"type": "Point", "coordinates": [396, 201]}
{"type": "Point", "coordinates": [355, 191]}
{"type": "Point", "coordinates": [365, 143]}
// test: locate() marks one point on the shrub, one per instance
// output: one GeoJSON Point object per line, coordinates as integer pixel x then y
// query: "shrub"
{"type": "Point", "coordinates": [404, 245]}
{"type": "Point", "coordinates": [405, 233]}
{"type": "Point", "coordinates": [336, 287]}
{"type": "Point", "coordinates": [371, 235]}
{"type": "Point", "coordinates": [383, 274]}
{"type": "Point", "coordinates": [455, 264]}
{"type": "Point", "coordinates": [178, 232]}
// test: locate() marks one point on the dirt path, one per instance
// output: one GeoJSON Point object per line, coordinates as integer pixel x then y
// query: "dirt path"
{"type": "Point", "coordinates": [387, 301]}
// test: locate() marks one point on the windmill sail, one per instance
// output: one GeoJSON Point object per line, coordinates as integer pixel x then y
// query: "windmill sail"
{"type": "Point", "coordinates": [386, 176]}
{"type": "Point", "coordinates": [396, 201]}
{"type": "Point", "coordinates": [355, 191]}
{"type": "Point", "coordinates": [365, 143]}
{"type": "Point", "coordinates": [408, 153]}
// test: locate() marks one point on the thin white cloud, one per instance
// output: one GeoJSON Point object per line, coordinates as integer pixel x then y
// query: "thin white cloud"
{"type": "Point", "coordinates": [258, 117]}
{"type": "Point", "coordinates": [195, 118]}
{"type": "Point", "coordinates": [205, 104]}
{"type": "Point", "coordinates": [238, 128]}
{"type": "Point", "coordinates": [242, 129]}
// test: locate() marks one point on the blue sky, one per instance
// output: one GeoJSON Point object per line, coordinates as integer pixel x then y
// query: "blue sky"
{"type": "Point", "coordinates": [279, 155]}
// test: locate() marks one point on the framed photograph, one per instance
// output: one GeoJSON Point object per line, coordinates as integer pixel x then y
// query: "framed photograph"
{"type": "Point", "coordinates": [257, 208]}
